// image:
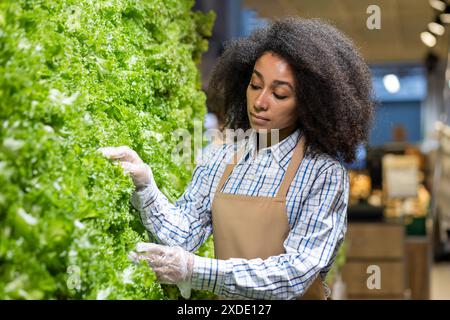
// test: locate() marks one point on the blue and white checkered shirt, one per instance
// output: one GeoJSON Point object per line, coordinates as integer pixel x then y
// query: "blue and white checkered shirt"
{"type": "Point", "coordinates": [316, 206]}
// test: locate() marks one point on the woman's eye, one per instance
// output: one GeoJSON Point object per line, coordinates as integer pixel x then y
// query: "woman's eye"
{"type": "Point", "coordinates": [255, 87]}
{"type": "Point", "coordinates": [279, 97]}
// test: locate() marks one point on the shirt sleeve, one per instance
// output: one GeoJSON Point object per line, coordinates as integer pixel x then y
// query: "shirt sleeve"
{"type": "Point", "coordinates": [310, 247]}
{"type": "Point", "coordinates": [187, 223]}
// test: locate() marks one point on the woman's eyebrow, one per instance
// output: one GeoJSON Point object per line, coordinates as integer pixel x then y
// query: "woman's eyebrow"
{"type": "Point", "coordinates": [258, 74]}
{"type": "Point", "coordinates": [279, 83]}
{"type": "Point", "coordinates": [275, 82]}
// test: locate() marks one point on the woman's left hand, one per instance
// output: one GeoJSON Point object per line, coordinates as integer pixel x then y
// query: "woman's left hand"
{"type": "Point", "coordinates": [172, 265]}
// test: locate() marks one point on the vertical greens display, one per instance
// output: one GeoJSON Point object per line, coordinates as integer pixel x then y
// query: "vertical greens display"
{"type": "Point", "coordinates": [75, 76]}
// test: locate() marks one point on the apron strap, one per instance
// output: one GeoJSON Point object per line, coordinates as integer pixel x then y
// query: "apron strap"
{"type": "Point", "coordinates": [296, 159]}
{"type": "Point", "coordinates": [294, 164]}
{"type": "Point", "coordinates": [229, 168]}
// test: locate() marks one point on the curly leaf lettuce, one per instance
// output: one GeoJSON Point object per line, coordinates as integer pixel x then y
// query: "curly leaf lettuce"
{"type": "Point", "coordinates": [75, 76]}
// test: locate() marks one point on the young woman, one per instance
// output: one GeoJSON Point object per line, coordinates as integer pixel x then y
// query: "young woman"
{"type": "Point", "coordinates": [277, 213]}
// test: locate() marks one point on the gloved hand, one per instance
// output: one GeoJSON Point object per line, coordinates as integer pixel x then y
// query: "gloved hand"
{"type": "Point", "coordinates": [132, 164]}
{"type": "Point", "coordinates": [172, 265]}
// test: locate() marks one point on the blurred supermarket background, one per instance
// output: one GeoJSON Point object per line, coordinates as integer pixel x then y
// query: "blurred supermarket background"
{"type": "Point", "coordinates": [399, 212]}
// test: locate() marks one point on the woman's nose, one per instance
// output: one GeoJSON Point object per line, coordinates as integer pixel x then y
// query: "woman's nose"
{"type": "Point", "coordinates": [261, 101]}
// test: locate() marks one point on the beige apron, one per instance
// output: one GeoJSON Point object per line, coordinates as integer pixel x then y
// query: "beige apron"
{"type": "Point", "coordinates": [254, 226]}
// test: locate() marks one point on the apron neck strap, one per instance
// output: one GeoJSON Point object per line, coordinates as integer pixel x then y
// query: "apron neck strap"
{"type": "Point", "coordinates": [236, 156]}
{"type": "Point", "coordinates": [296, 159]}
{"type": "Point", "coordinates": [294, 164]}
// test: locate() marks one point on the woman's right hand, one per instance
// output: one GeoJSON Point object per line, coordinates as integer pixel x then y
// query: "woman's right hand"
{"type": "Point", "coordinates": [132, 164]}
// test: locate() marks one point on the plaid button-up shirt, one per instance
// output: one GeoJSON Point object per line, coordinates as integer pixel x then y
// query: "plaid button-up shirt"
{"type": "Point", "coordinates": [316, 206]}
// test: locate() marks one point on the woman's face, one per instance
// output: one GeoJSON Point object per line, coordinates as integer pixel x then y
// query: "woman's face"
{"type": "Point", "coordinates": [271, 100]}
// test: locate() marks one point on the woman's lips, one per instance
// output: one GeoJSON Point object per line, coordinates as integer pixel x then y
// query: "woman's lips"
{"type": "Point", "coordinates": [259, 120]}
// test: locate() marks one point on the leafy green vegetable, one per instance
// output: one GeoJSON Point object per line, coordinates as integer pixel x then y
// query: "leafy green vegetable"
{"type": "Point", "coordinates": [75, 76]}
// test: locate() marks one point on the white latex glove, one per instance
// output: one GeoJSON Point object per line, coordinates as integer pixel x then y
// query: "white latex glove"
{"type": "Point", "coordinates": [172, 265]}
{"type": "Point", "coordinates": [132, 164]}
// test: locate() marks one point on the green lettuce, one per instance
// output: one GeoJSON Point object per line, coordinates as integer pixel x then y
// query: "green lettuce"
{"type": "Point", "coordinates": [76, 76]}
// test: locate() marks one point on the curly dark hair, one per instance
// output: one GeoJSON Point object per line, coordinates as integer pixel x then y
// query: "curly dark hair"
{"type": "Point", "coordinates": [333, 83]}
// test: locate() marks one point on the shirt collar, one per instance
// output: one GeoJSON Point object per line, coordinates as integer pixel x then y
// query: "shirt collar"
{"type": "Point", "coordinates": [279, 151]}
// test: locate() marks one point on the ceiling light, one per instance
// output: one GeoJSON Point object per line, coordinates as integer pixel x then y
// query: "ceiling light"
{"type": "Point", "coordinates": [391, 83]}
{"type": "Point", "coordinates": [436, 27]}
{"type": "Point", "coordinates": [445, 16]}
{"type": "Point", "coordinates": [437, 4]}
{"type": "Point", "coordinates": [428, 38]}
